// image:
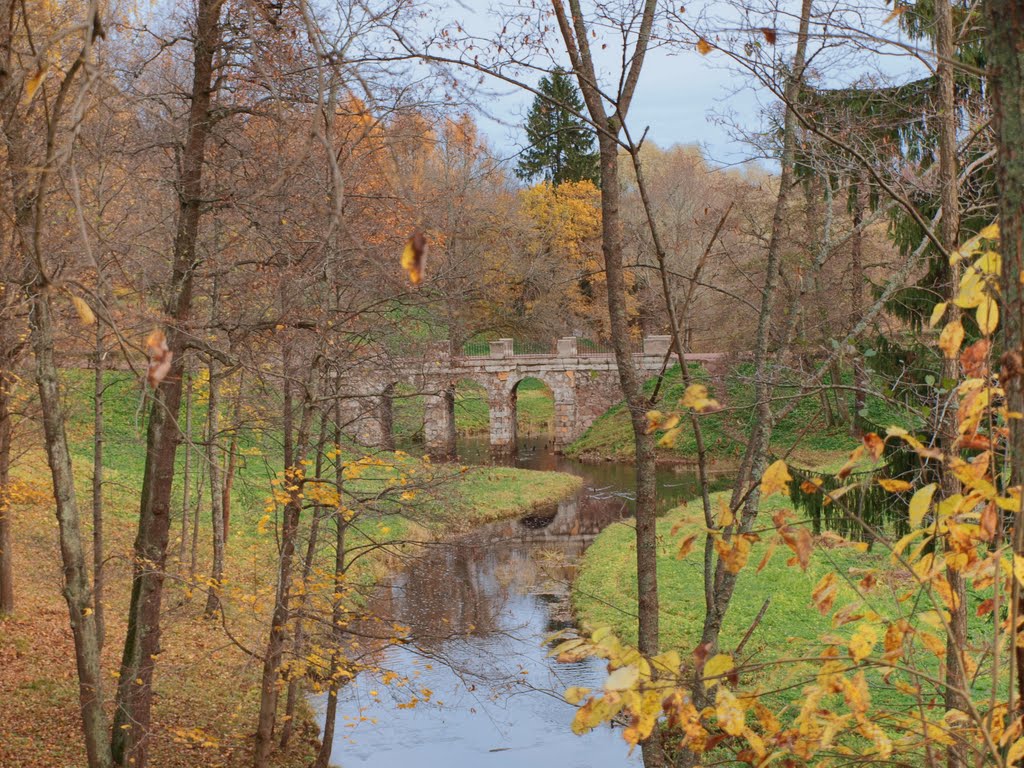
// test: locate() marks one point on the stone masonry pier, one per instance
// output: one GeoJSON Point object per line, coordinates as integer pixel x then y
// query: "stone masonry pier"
{"type": "Point", "coordinates": [584, 383]}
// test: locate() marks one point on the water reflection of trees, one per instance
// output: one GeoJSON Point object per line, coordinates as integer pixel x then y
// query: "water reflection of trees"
{"type": "Point", "coordinates": [464, 588]}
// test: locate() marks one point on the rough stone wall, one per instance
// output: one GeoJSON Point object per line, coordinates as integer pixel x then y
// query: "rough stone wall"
{"type": "Point", "coordinates": [596, 392]}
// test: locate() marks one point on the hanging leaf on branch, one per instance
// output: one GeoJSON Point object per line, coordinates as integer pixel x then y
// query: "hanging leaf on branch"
{"type": "Point", "coordinates": [159, 358]}
{"type": "Point", "coordinates": [414, 257]}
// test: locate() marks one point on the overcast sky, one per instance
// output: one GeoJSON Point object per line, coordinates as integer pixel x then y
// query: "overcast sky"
{"type": "Point", "coordinates": [686, 98]}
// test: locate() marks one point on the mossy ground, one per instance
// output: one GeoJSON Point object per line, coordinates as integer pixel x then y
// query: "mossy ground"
{"type": "Point", "coordinates": [206, 680]}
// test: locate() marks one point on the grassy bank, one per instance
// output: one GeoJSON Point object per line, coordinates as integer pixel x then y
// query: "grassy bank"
{"type": "Point", "coordinates": [207, 677]}
{"type": "Point", "coordinates": [790, 627]}
{"type": "Point", "coordinates": [611, 436]}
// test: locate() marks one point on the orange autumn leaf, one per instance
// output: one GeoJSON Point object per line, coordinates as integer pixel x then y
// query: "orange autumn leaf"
{"type": "Point", "coordinates": [874, 444]}
{"type": "Point", "coordinates": [159, 358]}
{"type": "Point", "coordinates": [414, 257]}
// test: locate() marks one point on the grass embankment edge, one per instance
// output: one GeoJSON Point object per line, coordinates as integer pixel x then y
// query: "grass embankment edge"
{"type": "Point", "coordinates": [206, 681]}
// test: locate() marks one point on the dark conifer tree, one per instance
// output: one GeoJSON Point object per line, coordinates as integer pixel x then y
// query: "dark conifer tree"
{"type": "Point", "coordinates": [561, 144]}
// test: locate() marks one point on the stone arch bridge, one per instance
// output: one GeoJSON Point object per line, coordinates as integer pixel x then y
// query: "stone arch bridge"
{"type": "Point", "coordinates": [584, 384]}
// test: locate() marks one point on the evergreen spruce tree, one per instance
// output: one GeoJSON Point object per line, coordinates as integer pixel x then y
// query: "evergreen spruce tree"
{"type": "Point", "coordinates": [561, 143]}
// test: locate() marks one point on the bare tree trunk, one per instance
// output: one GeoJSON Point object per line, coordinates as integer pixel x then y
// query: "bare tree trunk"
{"type": "Point", "coordinates": [860, 383]}
{"type": "Point", "coordinates": [323, 756]}
{"type": "Point", "coordinates": [299, 641]}
{"type": "Point", "coordinates": [133, 704]}
{"type": "Point", "coordinates": [949, 232]}
{"type": "Point", "coordinates": [232, 458]}
{"type": "Point", "coordinates": [97, 484]}
{"type": "Point", "coordinates": [76, 578]}
{"type": "Point", "coordinates": [216, 490]}
{"type": "Point", "coordinates": [6, 552]}
{"type": "Point", "coordinates": [295, 451]}
{"type": "Point", "coordinates": [575, 36]}
{"type": "Point", "coordinates": [1006, 61]}
{"type": "Point", "coordinates": [186, 493]}
{"type": "Point", "coordinates": [746, 492]}
{"type": "Point", "coordinates": [194, 555]}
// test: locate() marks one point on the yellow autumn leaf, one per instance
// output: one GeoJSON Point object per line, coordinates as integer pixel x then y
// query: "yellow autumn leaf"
{"type": "Point", "coordinates": [991, 232]}
{"type": "Point", "coordinates": [951, 338]}
{"type": "Point", "coordinates": [725, 515]}
{"type": "Point", "coordinates": [414, 257]}
{"type": "Point", "coordinates": [575, 694]}
{"type": "Point", "coordinates": [1016, 752]}
{"type": "Point", "coordinates": [33, 83]}
{"type": "Point", "coordinates": [971, 291]}
{"type": "Point", "coordinates": [894, 486]}
{"type": "Point", "coordinates": [85, 313]}
{"type": "Point", "coordinates": [987, 315]}
{"type": "Point", "coordinates": [654, 419]}
{"type": "Point", "coordinates": [862, 642]}
{"type": "Point", "coordinates": [623, 678]}
{"type": "Point", "coordinates": [703, 47]}
{"type": "Point", "coordinates": [919, 504]}
{"type": "Point", "coordinates": [715, 667]}
{"type": "Point", "coordinates": [669, 439]}
{"type": "Point", "coordinates": [1018, 568]}
{"type": "Point", "coordinates": [990, 263]}
{"type": "Point", "coordinates": [696, 397]}
{"type": "Point", "coordinates": [937, 313]}
{"type": "Point", "coordinates": [730, 715]}
{"type": "Point", "coordinates": [776, 479]}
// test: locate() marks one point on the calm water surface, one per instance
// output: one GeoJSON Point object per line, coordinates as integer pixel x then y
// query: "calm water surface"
{"type": "Point", "coordinates": [478, 612]}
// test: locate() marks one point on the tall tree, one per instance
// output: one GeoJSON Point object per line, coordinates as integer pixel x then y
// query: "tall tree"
{"type": "Point", "coordinates": [561, 142]}
{"type": "Point", "coordinates": [130, 738]}
{"type": "Point", "coordinates": [1006, 62]}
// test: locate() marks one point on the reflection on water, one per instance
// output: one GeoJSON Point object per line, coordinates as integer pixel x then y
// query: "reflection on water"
{"type": "Point", "coordinates": [478, 610]}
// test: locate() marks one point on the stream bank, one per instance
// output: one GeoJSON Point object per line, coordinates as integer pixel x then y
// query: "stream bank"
{"type": "Point", "coordinates": [474, 685]}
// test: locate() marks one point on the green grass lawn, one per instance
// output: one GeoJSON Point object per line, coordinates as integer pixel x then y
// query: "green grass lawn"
{"type": "Point", "coordinates": [604, 594]}
{"type": "Point", "coordinates": [725, 432]}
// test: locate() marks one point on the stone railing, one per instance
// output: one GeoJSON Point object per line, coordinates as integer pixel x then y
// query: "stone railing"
{"type": "Point", "coordinates": [568, 347]}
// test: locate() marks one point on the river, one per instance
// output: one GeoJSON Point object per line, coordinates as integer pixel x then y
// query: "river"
{"type": "Point", "coordinates": [478, 611]}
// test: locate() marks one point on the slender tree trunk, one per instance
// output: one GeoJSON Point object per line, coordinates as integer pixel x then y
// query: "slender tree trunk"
{"type": "Point", "coordinates": [232, 458]}
{"type": "Point", "coordinates": [216, 491]}
{"type": "Point", "coordinates": [755, 457]}
{"type": "Point", "coordinates": [97, 484]}
{"type": "Point", "coordinates": [949, 232]}
{"type": "Point", "coordinates": [130, 735]}
{"type": "Point", "coordinates": [323, 757]}
{"type": "Point", "coordinates": [576, 38]}
{"type": "Point", "coordinates": [860, 382]}
{"type": "Point", "coordinates": [73, 556]}
{"type": "Point", "coordinates": [295, 450]}
{"type": "Point", "coordinates": [186, 493]}
{"type": "Point", "coordinates": [6, 552]}
{"type": "Point", "coordinates": [1006, 65]}
{"type": "Point", "coordinates": [298, 644]}
{"type": "Point", "coordinates": [194, 555]}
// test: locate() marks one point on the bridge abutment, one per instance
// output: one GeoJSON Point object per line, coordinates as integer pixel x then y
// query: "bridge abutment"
{"type": "Point", "coordinates": [439, 424]}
